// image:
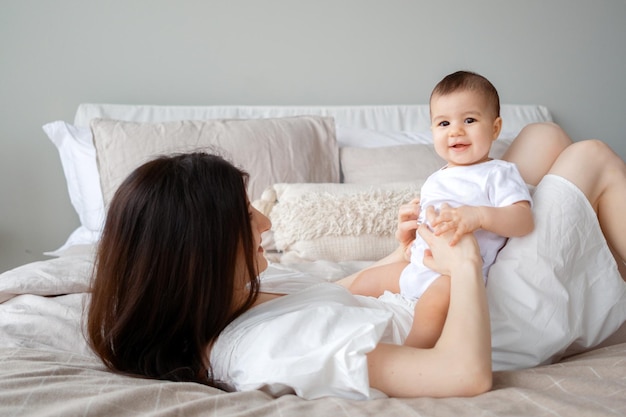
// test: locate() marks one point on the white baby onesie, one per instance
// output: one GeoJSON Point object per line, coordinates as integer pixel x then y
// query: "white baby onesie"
{"type": "Point", "coordinates": [493, 183]}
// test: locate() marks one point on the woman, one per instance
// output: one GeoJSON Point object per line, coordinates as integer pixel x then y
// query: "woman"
{"type": "Point", "coordinates": [181, 251]}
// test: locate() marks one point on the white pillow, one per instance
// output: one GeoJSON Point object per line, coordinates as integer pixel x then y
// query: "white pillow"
{"type": "Point", "coordinates": [78, 159]}
{"type": "Point", "coordinates": [369, 138]}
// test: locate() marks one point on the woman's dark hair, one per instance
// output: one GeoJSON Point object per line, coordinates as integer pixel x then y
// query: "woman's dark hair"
{"type": "Point", "coordinates": [168, 266]}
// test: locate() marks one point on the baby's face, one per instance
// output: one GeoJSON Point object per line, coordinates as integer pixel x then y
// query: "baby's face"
{"type": "Point", "coordinates": [463, 127]}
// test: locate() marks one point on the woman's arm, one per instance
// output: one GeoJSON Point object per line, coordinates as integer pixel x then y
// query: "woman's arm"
{"type": "Point", "coordinates": [460, 362]}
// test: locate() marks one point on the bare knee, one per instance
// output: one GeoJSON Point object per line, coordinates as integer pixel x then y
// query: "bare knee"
{"type": "Point", "coordinates": [597, 150]}
{"type": "Point", "coordinates": [536, 148]}
{"type": "Point", "coordinates": [593, 167]}
{"type": "Point", "coordinates": [595, 158]}
{"type": "Point", "coordinates": [547, 135]}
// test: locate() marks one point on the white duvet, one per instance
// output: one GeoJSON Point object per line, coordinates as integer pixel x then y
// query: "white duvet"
{"type": "Point", "coordinates": [554, 290]}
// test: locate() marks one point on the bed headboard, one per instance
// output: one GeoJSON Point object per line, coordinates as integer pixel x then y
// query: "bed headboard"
{"type": "Point", "coordinates": [413, 118]}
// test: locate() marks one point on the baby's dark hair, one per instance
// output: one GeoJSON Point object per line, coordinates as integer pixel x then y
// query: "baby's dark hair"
{"type": "Point", "coordinates": [469, 81]}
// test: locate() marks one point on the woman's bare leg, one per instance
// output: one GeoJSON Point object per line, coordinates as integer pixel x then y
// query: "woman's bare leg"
{"type": "Point", "coordinates": [536, 148]}
{"type": "Point", "coordinates": [601, 175]}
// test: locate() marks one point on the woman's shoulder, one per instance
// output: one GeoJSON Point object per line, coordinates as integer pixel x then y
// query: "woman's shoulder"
{"type": "Point", "coordinates": [296, 302]}
{"type": "Point", "coordinates": [297, 340]}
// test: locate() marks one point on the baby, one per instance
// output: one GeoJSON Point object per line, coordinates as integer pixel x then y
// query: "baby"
{"type": "Point", "coordinates": [472, 193]}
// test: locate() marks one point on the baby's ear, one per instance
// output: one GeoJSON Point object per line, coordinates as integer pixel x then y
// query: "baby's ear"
{"type": "Point", "coordinates": [497, 127]}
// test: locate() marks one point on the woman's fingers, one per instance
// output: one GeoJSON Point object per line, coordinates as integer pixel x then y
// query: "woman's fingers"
{"type": "Point", "coordinates": [407, 222]}
{"type": "Point", "coordinates": [429, 256]}
{"type": "Point", "coordinates": [409, 211]}
{"type": "Point", "coordinates": [442, 255]}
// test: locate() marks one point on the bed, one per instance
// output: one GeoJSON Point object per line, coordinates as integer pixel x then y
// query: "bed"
{"type": "Point", "coordinates": [559, 340]}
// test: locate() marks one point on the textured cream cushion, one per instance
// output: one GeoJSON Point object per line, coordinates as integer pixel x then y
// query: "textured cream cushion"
{"type": "Point", "coordinates": [292, 149]}
{"type": "Point", "coordinates": [335, 222]}
{"type": "Point", "coordinates": [397, 163]}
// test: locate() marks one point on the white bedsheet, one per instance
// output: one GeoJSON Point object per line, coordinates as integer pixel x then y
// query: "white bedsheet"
{"type": "Point", "coordinates": [42, 304]}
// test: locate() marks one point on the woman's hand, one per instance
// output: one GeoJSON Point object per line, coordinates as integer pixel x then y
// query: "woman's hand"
{"type": "Point", "coordinates": [442, 257]}
{"type": "Point", "coordinates": [407, 224]}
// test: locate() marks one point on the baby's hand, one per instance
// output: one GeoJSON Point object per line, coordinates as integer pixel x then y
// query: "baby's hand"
{"type": "Point", "coordinates": [462, 220]}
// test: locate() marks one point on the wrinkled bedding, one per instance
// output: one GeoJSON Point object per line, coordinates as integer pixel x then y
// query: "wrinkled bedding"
{"type": "Point", "coordinates": [36, 382]}
{"type": "Point", "coordinates": [46, 367]}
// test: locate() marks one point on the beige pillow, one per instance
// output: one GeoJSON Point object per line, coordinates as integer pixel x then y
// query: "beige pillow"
{"type": "Point", "coordinates": [388, 164]}
{"type": "Point", "coordinates": [397, 163]}
{"type": "Point", "coordinates": [291, 149]}
{"type": "Point", "coordinates": [335, 222]}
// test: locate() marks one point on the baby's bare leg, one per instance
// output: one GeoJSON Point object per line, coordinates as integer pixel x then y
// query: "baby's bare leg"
{"type": "Point", "coordinates": [378, 279]}
{"type": "Point", "coordinates": [430, 315]}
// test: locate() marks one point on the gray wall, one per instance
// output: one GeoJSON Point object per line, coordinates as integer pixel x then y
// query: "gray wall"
{"type": "Point", "coordinates": [568, 55]}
